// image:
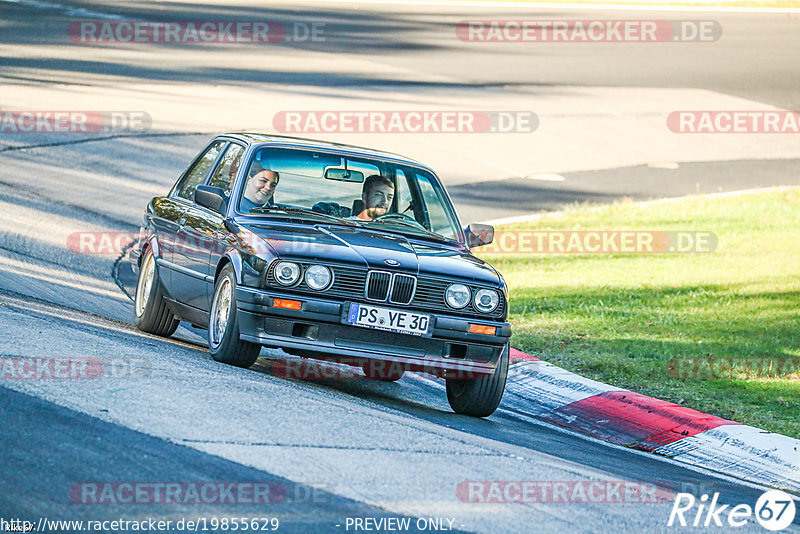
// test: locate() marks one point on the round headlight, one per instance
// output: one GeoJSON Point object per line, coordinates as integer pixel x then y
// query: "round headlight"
{"type": "Point", "coordinates": [457, 295]}
{"type": "Point", "coordinates": [486, 300]}
{"type": "Point", "coordinates": [318, 277]}
{"type": "Point", "coordinates": [287, 273]}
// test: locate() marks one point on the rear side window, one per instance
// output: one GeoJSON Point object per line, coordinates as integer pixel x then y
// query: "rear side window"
{"type": "Point", "coordinates": [199, 171]}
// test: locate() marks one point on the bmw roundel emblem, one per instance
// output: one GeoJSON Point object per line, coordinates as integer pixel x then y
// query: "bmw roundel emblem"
{"type": "Point", "coordinates": [393, 263]}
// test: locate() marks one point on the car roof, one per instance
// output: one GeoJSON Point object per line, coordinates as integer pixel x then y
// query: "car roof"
{"type": "Point", "coordinates": [257, 138]}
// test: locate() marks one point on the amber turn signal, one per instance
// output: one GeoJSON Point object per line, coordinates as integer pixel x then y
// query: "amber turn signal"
{"type": "Point", "coordinates": [482, 329]}
{"type": "Point", "coordinates": [287, 304]}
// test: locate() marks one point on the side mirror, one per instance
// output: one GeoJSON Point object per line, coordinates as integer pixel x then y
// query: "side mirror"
{"type": "Point", "coordinates": [479, 234]}
{"type": "Point", "coordinates": [211, 197]}
{"type": "Point", "coordinates": [231, 226]}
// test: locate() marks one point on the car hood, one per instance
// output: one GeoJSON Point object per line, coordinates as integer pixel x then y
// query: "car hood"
{"type": "Point", "coordinates": [374, 250]}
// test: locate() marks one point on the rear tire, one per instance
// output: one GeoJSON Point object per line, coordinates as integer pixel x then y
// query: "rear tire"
{"type": "Point", "coordinates": [224, 343]}
{"type": "Point", "coordinates": [379, 370]}
{"type": "Point", "coordinates": [153, 314]}
{"type": "Point", "coordinates": [479, 397]}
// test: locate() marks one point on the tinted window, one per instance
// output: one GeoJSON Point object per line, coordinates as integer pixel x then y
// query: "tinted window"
{"type": "Point", "coordinates": [199, 171]}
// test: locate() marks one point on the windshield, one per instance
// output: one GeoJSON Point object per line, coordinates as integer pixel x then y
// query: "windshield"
{"type": "Point", "coordinates": [373, 193]}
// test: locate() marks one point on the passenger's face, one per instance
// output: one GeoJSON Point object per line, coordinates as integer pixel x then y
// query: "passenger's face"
{"type": "Point", "coordinates": [380, 196]}
{"type": "Point", "coordinates": [261, 187]}
{"type": "Point", "coordinates": [233, 169]}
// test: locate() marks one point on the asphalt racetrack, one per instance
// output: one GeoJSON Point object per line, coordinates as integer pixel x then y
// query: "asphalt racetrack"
{"type": "Point", "coordinates": [335, 451]}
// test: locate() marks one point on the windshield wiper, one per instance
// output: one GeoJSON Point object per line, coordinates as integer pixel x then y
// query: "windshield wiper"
{"type": "Point", "coordinates": [304, 211]}
{"type": "Point", "coordinates": [416, 227]}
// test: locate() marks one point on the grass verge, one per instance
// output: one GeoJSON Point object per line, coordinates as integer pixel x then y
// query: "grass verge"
{"type": "Point", "coordinates": [772, 4]}
{"type": "Point", "coordinates": [626, 319]}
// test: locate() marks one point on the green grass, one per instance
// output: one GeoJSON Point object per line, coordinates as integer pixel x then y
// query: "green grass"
{"type": "Point", "coordinates": [777, 4]}
{"type": "Point", "coordinates": [620, 318]}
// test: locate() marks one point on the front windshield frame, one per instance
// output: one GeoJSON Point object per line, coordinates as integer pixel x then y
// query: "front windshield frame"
{"type": "Point", "coordinates": [444, 197]}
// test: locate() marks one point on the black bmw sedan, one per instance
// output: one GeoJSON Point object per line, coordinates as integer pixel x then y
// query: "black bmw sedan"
{"type": "Point", "coordinates": [326, 251]}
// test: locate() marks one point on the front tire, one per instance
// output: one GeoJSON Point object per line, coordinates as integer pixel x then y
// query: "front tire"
{"type": "Point", "coordinates": [224, 343]}
{"type": "Point", "coordinates": [151, 309]}
{"type": "Point", "coordinates": [479, 397]}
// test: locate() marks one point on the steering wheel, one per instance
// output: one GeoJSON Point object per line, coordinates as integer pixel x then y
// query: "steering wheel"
{"type": "Point", "coordinates": [402, 217]}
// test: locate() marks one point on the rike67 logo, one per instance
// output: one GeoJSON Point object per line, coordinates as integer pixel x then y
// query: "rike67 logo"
{"type": "Point", "coordinates": [774, 510]}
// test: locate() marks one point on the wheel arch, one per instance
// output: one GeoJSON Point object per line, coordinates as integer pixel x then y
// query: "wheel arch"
{"type": "Point", "coordinates": [150, 243]}
{"type": "Point", "coordinates": [232, 258]}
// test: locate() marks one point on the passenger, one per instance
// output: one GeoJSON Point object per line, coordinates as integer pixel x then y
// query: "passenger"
{"type": "Point", "coordinates": [259, 190]}
{"type": "Point", "coordinates": [234, 168]}
{"type": "Point", "coordinates": [224, 180]}
{"type": "Point", "coordinates": [377, 195]}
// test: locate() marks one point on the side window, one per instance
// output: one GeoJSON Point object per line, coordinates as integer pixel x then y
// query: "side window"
{"type": "Point", "coordinates": [403, 194]}
{"type": "Point", "coordinates": [198, 173]}
{"type": "Point", "coordinates": [434, 203]}
{"type": "Point", "coordinates": [226, 172]}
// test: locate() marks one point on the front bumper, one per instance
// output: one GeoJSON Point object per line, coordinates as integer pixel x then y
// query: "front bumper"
{"type": "Point", "coordinates": [319, 328]}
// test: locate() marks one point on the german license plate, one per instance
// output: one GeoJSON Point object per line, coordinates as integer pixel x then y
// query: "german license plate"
{"type": "Point", "coordinates": [416, 324]}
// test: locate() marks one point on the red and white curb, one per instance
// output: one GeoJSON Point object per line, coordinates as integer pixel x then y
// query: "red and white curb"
{"type": "Point", "coordinates": [611, 414]}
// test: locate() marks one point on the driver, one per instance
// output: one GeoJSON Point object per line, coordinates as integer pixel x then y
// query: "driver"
{"type": "Point", "coordinates": [377, 195]}
{"type": "Point", "coordinates": [260, 189]}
